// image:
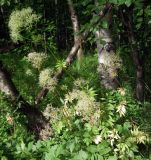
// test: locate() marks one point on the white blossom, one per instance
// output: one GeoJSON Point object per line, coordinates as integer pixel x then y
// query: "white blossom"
{"type": "Point", "coordinates": [21, 20]}
{"type": "Point", "coordinates": [121, 109]}
{"type": "Point", "coordinates": [45, 79]}
{"type": "Point", "coordinates": [113, 135]}
{"type": "Point", "coordinates": [121, 91]}
{"type": "Point", "coordinates": [98, 139]}
{"type": "Point", "coordinates": [37, 59]}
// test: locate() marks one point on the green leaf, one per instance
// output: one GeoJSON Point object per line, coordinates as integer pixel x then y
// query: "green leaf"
{"type": "Point", "coordinates": [71, 147]}
{"type": "Point", "coordinates": [92, 149]}
{"type": "Point", "coordinates": [100, 157]}
{"type": "Point", "coordinates": [105, 151]}
{"type": "Point", "coordinates": [4, 158]}
{"type": "Point", "coordinates": [22, 145]}
{"type": "Point", "coordinates": [30, 146]}
{"type": "Point", "coordinates": [83, 155]}
{"type": "Point", "coordinates": [105, 24]}
{"type": "Point", "coordinates": [128, 2]}
{"type": "Point", "coordinates": [127, 125]}
{"type": "Point", "coordinates": [88, 127]}
{"type": "Point", "coordinates": [149, 22]}
{"type": "Point", "coordinates": [114, 1]}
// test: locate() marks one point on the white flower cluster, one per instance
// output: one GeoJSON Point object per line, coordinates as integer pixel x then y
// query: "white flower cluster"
{"type": "Point", "coordinates": [21, 20]}
{"type": "Point", "coordinates": [51, 113]}
{"type": "Point", "coordinates": [121, 109]}
{"type": "Point", "coordinates": [139, 136]}
{"type": "Point", "coordinates": [37, 59]}
{"type": "Point", "coordinates": [79, 82]}
{"type": "Point", "coordinates": [113, 135]}
{"type": "Point", "coordinates": [121, 91]}
{"type": "Point", "coordinates": [45, 79]}
{"type": "Point", "coordinates": [84, 105]}
{"type": "Point", "coordinates": [97, 139]}
{"type": "Point", "coordinates": [29, 72]}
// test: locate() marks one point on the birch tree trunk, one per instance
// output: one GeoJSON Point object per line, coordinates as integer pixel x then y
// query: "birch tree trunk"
{"type": "Point", "coordinates": [106, 55]}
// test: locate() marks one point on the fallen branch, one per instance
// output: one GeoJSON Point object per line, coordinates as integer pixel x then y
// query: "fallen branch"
{"type": "Point", "coordinates": [73, 53]}
{"type": "Point", "coordinates": [60, 73]}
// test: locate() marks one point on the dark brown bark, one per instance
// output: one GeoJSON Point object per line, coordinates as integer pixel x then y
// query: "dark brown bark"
{"type": "Point", "coordinates": [36, 120]}
{"type": "Point", "coordinates": [138, 62]}
{"type": "Point", "coordinates": [9, 47]}
{"type": "Point", "coordinates": [6, 84]}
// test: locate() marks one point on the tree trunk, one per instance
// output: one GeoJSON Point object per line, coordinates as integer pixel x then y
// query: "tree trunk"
{"type": "Point", "coordinates": [76, 28]}
{"type": "Point", "coordinates": [138, 62]}
{"type": "Point", "coordinates": [106, 55]}
{"type": "Point", "coordinates": [6, 84]}
{"type": "Point", "coordinates": [36, 120]}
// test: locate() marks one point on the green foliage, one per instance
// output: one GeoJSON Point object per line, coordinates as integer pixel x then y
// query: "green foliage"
{"type": "Point", "coordinates": [88, 122]}
{"type": "Point", "coordinates": [76, 138]}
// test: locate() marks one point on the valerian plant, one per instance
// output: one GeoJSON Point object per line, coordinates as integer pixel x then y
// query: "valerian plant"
{"type": "Point", "coordinates": [91, 128]}
{"type": "Point", "coordinates": [21, 23]}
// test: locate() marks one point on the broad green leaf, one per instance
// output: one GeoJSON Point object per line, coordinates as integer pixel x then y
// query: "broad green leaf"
{"type": "Point", "coordinates": [105, 151]}
{"type": "Point", "coordinates": [105, 24]}
{"type": "Point", "coordinates": [71, 147]}
{"type": "Point", "coordinates": [83, 155]}
{"type": "Point", "coordinates": [92, 149]}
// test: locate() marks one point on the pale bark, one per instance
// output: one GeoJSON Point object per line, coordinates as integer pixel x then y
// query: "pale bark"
{"type": "Point", "coordinates": [6, 84]}
{"type": "Point", "coordinates": [76, 28]}
{"type": "Point", "coordinates": [105, 46]}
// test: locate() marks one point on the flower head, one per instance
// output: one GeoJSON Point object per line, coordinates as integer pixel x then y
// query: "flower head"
{"type": "Point", "coordinates": [37, 59]}
{"type": "Point", "coordinates": [98, 139]}
{"type": "Point", "coordinates": [45, 79]}
{"type": "Point", "coordinates": [140, 137]}
{"type": "Point", "coordinates": [121, 91]}
{"type": "Point", "coordinates": [121, 109]}
{"type": "Point", "coordinates": [9, 119]}
{"type": "Point", "coordinates": [22, 20]}
{"type": "Point", "coordinates": [113, 135]}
